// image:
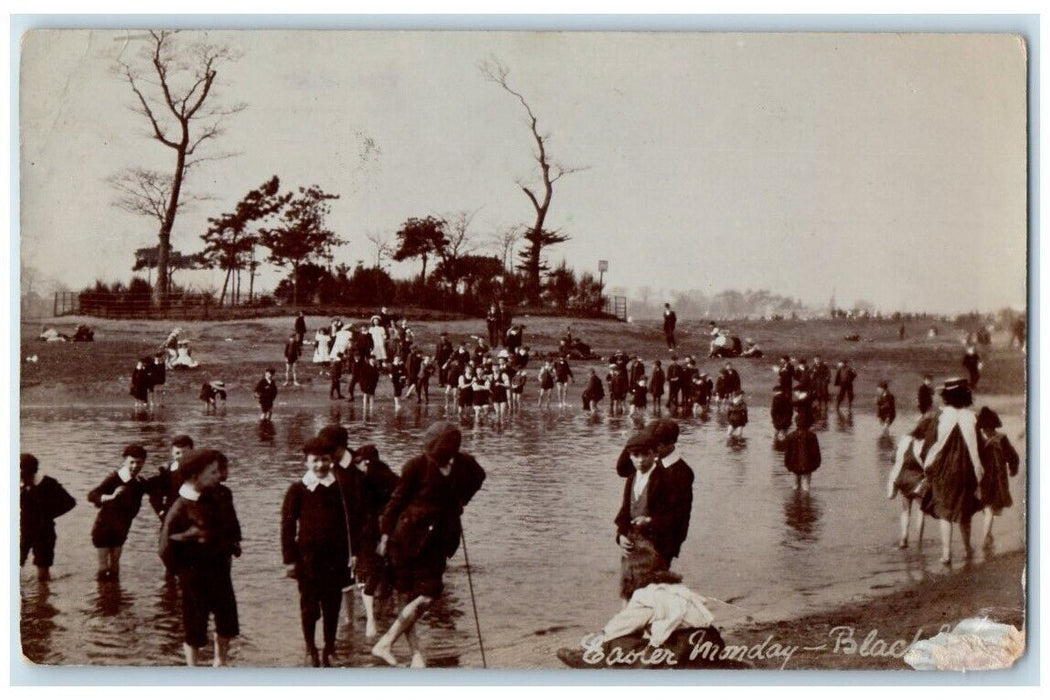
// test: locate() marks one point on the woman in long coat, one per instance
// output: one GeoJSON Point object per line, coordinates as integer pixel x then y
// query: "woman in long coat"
{"type": "Point", "coordinates": [952, 466]}
{"type": "Point", "coordinates": [420, 529]}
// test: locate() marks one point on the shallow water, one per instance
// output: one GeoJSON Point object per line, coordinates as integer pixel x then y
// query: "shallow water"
{"type": "Point", "coordinates": [539, 534]}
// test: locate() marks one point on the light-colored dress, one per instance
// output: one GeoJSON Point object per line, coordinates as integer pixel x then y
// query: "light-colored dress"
{"type": "Point", "coordinates": [342, 342]}
{"type": "Point", "coordinates": [378, 342]}
{"type": "Point", "coordinates": [320, 348]}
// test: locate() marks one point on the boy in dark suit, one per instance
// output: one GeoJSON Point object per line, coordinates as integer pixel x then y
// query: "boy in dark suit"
{"type": "Point", "coordinates": [40, 501]}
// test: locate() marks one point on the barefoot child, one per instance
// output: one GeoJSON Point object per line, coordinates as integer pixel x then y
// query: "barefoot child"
{"type": "Point", "coordinates": [370, 569]}
{"type": "Point", "coordinates": [196, 542]}
{"type": "Point", "coordinates": [41, 500]}
{"type": "Point", "coordinates": [266, 393]}
{"type": "Point", "coordinates": [905, 478]}
{"type": "Point", "coordinates": [546, 379]}
{"type": "Point", "coordinates": [801, 452]}
{"type": "Point", "coordinates": [999, 458]}
{"type": "Point", "coordinates": [421, 529]}
{"type": "Point", "coordinates": [315, 548]}
{"type": "Point", "coordinates": [118, 498]}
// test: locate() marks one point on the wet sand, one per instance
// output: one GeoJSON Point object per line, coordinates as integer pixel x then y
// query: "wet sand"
{"type": "Point", "coordinates": [837, 639]}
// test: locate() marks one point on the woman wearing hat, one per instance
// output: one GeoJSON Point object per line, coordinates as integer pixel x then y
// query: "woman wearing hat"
{"type": "Point", "coordinates": [999, 459]}
{"type": "Point", "coordinates": [420, 529]}
{"type": "Point", "coordinates": [952, 465]}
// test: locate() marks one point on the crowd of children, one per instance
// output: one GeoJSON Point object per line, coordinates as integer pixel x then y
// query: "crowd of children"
{"type": "Point", "coordinates": [349, 523]}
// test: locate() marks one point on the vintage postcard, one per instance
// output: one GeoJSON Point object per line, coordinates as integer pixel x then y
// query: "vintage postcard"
{"type": "Point", "coordinates": [523, 350]}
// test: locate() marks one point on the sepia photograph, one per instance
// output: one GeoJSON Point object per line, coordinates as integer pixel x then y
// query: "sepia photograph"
{"type": "Point", "coordinates": [523, 350]}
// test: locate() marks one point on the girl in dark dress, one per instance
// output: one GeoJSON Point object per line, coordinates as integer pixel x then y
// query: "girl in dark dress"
{"type": "Point", "coordinates": [906, 477]}
{"type": "Point", "coordinates": [118, 498]}
{"type": "Point", "coordinates": [953, 466]}
{"type": "Point", "coordinates": [1000, 460]}
{"type": "Point", "coordinates": [801, 453]}
{"type": "Point", "coordinates": [199, 535]}
{"type": "Point", "coordinates": [421, 529]}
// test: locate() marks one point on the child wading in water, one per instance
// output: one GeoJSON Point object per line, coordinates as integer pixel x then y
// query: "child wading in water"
{"type": "Point", "coordinates": [315, 546]}
{"type": "Point", "coordinates": [886, 406]}
{"type": "Point", "coordinates": [905, 478]}
{"type": "Point", "coordinates": [420, 529]}
{"type": "Point", "coordinates": [737, 414]}
{"type": "Point", "coordinates": [118, 498]}
{"type": "Point", "coordinates": [801, 452]}
{"type": "Point", "coordinates": [999, 458]}
{"type": "Point", "coordinates": [266, 393]}
{"type": "Point", "coordinates": [41, 500]}
{"type": "Point", "coordinates": [199, 535]}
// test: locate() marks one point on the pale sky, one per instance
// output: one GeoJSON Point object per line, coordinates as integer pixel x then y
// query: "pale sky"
{"type": "Point", "coordinates": [890, 168]}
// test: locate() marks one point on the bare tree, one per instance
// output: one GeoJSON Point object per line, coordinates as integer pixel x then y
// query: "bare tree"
{"type": "Point", "coordinates": [384, 248]}
{"type": "Point", "coordinates": [173, 83]}
{"type": "Point", "coordinates": [458, 243]}
{"type": "Point", "coordinates": [503, 243]}
{"type": "Point", "coordinates": [550, 172]}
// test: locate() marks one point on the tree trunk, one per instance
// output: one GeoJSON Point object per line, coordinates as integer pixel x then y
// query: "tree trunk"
{"type": "Point", "coordinates": [225, 283]}
{"type": "Point", "coordinates": [295, 284]}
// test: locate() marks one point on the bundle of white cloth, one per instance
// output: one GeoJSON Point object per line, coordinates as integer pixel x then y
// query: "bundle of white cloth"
{"type": "Point", "coordinates": [662, 608]}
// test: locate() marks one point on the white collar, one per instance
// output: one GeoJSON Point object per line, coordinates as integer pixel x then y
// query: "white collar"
{"type": "Point", "coordinates": [640, 481]}
{"type": "Point", "coordinates": [124, 473]}
{"type": "Point", "coordinates": [174, 466]}
{"type": "Point", "coordinates": [188, 492]}
{"type": "Point", "coordinates": [671, 458]}
{"type": "Point", "coordinates": [310, 480]}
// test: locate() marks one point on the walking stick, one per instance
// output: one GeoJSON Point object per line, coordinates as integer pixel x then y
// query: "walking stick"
{"type": "Point", "coordinates": [473, 603]}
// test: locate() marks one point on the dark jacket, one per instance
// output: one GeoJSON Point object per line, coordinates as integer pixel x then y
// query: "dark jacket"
{"type": "Point", "coordinates": [801, 452]}
{"type": "Point", "coordinates": [39, 505]}
{"type": "Point", "coordinates": [115, 516]}
{"type": "Point", "coordinates": [313, 526]}
{"type": "Point", "coordinates": [424, 510]}
{"type": "Point", "coordinates": [670, 506]}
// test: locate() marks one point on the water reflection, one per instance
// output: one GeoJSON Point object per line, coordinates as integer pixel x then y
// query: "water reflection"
{"type": "Point", "coordinates": [38, 621]}
{"type": "Point", "coordinates": [266, 431]}
{"type": "Point", "coordinates": [802, 515]}
{"type": "Point", "coordinates": [844, 421]}
{"type": "Point", "coordinates": [540, 531]}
